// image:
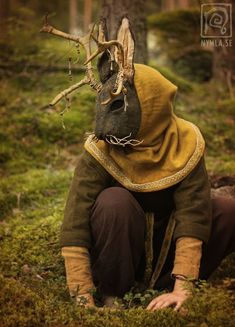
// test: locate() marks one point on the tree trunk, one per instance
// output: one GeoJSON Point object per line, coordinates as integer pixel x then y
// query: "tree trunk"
{"type": "Point", "coordinates": [168, 5]}
{"type": "Point", "coordinates": [87, 14]}
{"type": "Point", "coordinates": [224, 61]}
{"type": "Point", "coordinates": [4, 15]}
{"type": "Point", "coordinates": [175, 4]}
{"type": "Point", "coordinates": [183, 4]}
{"type": "Point", "coordinates": [113, 11]}
{"type": "Point", "coordinates": [73, 17]}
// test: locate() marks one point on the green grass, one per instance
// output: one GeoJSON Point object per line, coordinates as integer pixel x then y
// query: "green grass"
{"type": "Point", "coordinates": [37, 158]}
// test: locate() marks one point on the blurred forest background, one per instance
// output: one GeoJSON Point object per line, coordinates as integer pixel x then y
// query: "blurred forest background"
{"type": "Point", "coordinates": [39, 147]}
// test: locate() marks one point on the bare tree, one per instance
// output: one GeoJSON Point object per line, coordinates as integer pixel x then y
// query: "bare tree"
{"type": "Point", "coordinates": [113, 11]}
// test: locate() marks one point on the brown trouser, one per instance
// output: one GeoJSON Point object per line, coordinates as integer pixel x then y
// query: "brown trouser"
{"type": "Point", "coordinates": [118, 229]}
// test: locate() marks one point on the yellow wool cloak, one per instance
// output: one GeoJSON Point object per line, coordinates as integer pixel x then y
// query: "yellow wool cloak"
{"type": "Point", "coordinates": [171, 146]}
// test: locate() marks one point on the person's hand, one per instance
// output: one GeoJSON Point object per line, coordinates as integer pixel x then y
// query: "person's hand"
{"type": "Point", "coordinates": [175, 298]}
{"type": "Point", "coordinates": [166, 300]}
{"type": "Point", "coordinates": [85, 300]}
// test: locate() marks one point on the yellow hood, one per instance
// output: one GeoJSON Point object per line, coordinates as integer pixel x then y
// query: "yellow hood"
{"type": "Point", "coordinates": [171, 146]}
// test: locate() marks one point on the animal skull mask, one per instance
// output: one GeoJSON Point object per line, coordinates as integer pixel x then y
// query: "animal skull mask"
{"type": "Point", "coordinates": [118, 113]}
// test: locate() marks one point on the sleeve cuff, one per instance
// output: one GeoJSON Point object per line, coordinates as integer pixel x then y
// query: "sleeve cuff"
{"type": "Point", "coordinates": [187, 257]}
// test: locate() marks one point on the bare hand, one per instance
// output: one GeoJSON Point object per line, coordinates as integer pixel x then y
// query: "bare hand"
{"type": "Point", "coordinates": [176, 298]}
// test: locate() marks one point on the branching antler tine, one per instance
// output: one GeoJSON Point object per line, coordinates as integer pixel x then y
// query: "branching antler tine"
{"type": "Point", "coordinates": [102, 46]}
{"type": "Point", "coordinates": [69, 90]}
{"type": "Point", "coordinates": [100, 37]}
{"type": "Point", "coordinates": [101, 31]}
{"type": "Point", "coordinates": [92, 56]}
{"type": "Point", "coordinates": [85, 42]}
{"type": "Point", "coordinates": [91, 28]}
{"type": "Point", "coordinates": [47, 28]}
{"type": "Point", "coordinates": [116, 43]}
{"type": "Point", "coordinates": [95, 39]}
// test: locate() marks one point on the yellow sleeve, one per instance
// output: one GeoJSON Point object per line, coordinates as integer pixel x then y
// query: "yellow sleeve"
{"type": "Point", "coordinates": [78, 271]}
{"type": "Point", "coordinates": [187, 257]}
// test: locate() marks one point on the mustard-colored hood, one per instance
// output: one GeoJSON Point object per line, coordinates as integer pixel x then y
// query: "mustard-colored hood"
{"type": "Point", "coordinates": [171, 146]}
{"type": "Point", "coordinates": [155, 94]}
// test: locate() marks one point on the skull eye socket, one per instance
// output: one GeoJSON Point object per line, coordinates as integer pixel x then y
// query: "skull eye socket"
{"type": "Point", "coordinates": [117, 104]}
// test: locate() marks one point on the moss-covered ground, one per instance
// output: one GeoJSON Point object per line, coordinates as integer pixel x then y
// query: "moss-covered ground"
{"type": "Point", "coordinates": [37, 158]}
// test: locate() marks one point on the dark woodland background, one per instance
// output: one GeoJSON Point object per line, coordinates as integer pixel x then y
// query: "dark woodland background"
{"type": "Point", "coordinates": [39, 147]}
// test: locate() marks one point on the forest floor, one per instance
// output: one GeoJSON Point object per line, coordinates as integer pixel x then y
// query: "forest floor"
{"type": "Point", "coordinates": [37, 159]}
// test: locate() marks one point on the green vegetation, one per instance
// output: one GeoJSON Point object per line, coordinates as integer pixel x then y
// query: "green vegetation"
{"type": "Point", "coordinates": [182, 83]}
{"type": "Point", "coordinates": [37, 158]}
{"type": "Point", "coordinates": [178, 34]}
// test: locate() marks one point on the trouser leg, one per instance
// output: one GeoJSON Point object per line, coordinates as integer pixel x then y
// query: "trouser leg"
{"type": "Point", "coordinates": [118, 230]}
{"type": "Point", "coordinates": [222, 240]}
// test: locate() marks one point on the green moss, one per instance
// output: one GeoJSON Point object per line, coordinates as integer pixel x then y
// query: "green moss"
{"type": "Point", "coordinates": [227, 106]}
{"type": "Point", "coordinates": [31, 130]}
{"type": "Point", "coordinates": [32, 244]}
{"type": "Point", "coordinates": [33, 188]}
{"type": "Point", "coordinates": [37, 157]}
{"type": "Point", "coordinates": [223, 165]}
{"type": "Point", "coordinates": [35, 305]}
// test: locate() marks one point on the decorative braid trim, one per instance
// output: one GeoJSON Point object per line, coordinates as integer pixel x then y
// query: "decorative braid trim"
{"type": "Point", "coordinates": [157, 185]}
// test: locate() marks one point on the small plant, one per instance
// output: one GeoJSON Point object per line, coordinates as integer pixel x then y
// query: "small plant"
{"type": "Point", "coordinates": [136, 298]}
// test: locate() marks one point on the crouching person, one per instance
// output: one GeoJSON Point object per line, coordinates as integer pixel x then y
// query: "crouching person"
{"type": "Point", "coordinates": [139, 207]}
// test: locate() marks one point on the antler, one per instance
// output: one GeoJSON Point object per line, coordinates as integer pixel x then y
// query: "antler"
{"type": "Point", "coordinates": [85, 42]}
{"type": "Point", "coordinates": [118, 54]}
{"type": "Point", "coordinates": [105, 45]}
